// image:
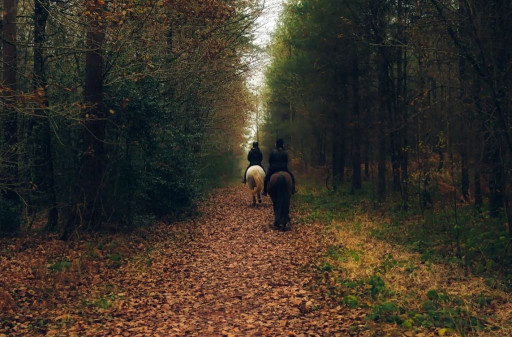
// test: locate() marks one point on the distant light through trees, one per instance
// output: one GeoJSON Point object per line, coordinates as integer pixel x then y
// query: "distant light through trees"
{"type": "Point", "coordinates": [265, 27]}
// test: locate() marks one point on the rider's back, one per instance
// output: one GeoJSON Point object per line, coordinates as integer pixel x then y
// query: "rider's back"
{"type": "Point", "coordinates": [278, 159]}
{"type": "Point", "coordinates": [255, 156]}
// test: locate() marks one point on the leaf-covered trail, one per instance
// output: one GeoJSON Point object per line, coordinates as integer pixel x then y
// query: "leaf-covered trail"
{"type": "Point", "coordinates": [234, 276]}
{"type": "Point", "coordinates": [228, 273]}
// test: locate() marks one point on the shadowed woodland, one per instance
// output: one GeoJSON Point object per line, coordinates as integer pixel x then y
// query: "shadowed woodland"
{"type": "Point", "coordinates": [123, 130]}
{"type": "Point", "coordinates": [406, 103]}
{"type": "Point", "coordinates": [113, 109]}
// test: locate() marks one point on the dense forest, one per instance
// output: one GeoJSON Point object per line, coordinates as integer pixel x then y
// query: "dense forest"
{"type": "Point", "coordinates": [412, 97]}
{"type": "Point", "coordinates": [117, 113]}
{"type": "Point", "coordinates": [124, 131]}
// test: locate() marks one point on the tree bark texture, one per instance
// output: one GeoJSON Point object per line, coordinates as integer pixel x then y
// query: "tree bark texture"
{"type": "Point", "coordinates": [42, 138]}
{"type": "Point", "coordinates": [356, 130]}
{"type": "Point", "coordinates": [9, 170]}
{"type": "Point", "coordinates": [88, 209]}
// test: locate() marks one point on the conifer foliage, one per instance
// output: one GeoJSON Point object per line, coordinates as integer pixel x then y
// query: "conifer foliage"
{"type": "Point", "coordinates": [413, 96]}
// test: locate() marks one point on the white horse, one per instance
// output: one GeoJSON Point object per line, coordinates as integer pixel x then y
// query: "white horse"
{"type": "Point", "coordinates": [255, 178]}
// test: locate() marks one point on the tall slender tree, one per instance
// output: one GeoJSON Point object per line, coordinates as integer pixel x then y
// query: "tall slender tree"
{"type": "Point", "coordinates": [11, 215]}
{"type": "Point", "coordinates": [42, 139]}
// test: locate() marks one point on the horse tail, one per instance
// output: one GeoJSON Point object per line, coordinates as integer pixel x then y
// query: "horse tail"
{"type": "Point", "coordinates": [258, 183]}
{"type": "Point", "coordinates": [282, 202]}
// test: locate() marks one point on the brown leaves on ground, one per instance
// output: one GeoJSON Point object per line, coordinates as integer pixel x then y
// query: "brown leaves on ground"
{"type": "Point", "coordinates": [225, 273]}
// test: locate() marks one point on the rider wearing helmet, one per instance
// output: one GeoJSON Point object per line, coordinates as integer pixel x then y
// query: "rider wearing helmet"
{"type": "Point", "coordinates": [254, 157]}
{"type": "Point", "coordinates": [278, 161]}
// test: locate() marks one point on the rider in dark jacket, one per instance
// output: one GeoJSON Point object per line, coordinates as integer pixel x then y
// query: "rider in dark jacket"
{"type": "Point", "coordinates": [254, 157]}
{"type": "Point", "coordinates": [278, 161]}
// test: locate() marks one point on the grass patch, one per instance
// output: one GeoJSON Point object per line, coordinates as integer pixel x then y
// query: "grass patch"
{"type": "Point", "coordinates": [462, 236]}
{"type": "Point", "coordinates": [409, 272]}
{"type": "Point", "coordinates": [105, 300]}
{"type": "Point", "coordinates": [115, 260]}
{"type": "Point", "coordinates": [59, 265]}
{"type": "Point", "coordinates": [114, 252]}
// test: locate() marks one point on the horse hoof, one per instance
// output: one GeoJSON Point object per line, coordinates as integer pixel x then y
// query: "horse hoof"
{"type": "Point", "coordinates": [259, 201]}
{"type": "Point", "coordinates": [280, 227]}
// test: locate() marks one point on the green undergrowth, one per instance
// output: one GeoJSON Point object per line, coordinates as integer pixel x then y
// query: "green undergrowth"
{"type": "Point", "coordinates": [412, 273]}
{"type": "Point", "coordinates": [459, 236]}
{"type": "Point", "coordinates": [414, 310]}
{"type": "Point", "coordinates": [476, 241]}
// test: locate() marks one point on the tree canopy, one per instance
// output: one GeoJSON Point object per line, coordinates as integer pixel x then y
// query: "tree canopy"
{"type": "Point", "coordinates": [413, 97]}
{"type": "Point", "coordinates": [116, 111]}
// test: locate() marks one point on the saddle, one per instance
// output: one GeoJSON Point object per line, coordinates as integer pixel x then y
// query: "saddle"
{"type": "Point", "coordinates": [257, 164]}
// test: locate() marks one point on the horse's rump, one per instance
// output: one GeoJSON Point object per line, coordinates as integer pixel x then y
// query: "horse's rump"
{"type": "Point", "coordinates": [280, 190]}
{"type": "Point", "coordinates": [255, 178]}
{"type": "Point", "coordinates": [273, 182]}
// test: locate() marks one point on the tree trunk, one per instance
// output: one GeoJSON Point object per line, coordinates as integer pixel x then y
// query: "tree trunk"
{"type": "Point", "coordinates": [338, 157]}
{"type": "Point", "coordinates": [404, 154]}
{"type": "Point", "coordinates": [401, 105]}
{"type": "Point", "coordinates": [87, 209]}
{"type": "Point", "coordinates": [93, 166]}
{"type": "Point", "coordinates": [501, 54]}
{"type": "Point", "coordinates": [43, 158]}
{"type": "Point", "coordinates": [496, 178]}
{"type": "Point", "coordinates": [382, 126]}
{"type": "Point", "coordinates": [464, 171]}
{"type": "Point", "coordinates": [356, 131]}
{"type": "Point", "coordinates": [339, 135]}
{"type": "Point", "coordinates": [366, 159]}
{"type": "Point", "coordinates": [477, 157]}
{"type": "Point", "coordinates": [478, 190]}
{"type": "Point", "coordinates": [9, 171]}
{"type": "Point", "coordinates": [463, 98]}
{"type": "Point", "coordinates": [394, 145]}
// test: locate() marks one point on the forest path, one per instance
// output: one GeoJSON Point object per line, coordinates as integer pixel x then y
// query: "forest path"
{"type": "Point", "coordinates": [234, 276]}
{"type": "Point", "coordinates": [226, 272]}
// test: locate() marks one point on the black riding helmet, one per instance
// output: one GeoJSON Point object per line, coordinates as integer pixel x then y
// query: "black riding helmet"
{"type": "Point", "coordinates": [280, 143]}
{"type": "Point", "coordinates": [255, 144]}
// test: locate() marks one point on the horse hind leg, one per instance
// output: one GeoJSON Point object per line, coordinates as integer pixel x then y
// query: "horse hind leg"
{"type": "Point", "coordinates": [286, 226]}
{"type": "Point", "coordinates": [280, 226]}
{"type": "Point", "coordinates": [277, 218]}
{"type": "Point", "coordinates": [259, 197]}
{"type": "Point", "coordinates": [253, 200]}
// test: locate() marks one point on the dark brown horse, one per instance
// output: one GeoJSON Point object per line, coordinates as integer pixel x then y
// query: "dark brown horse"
{"type": "Point", "coordinates": [280, 190]}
